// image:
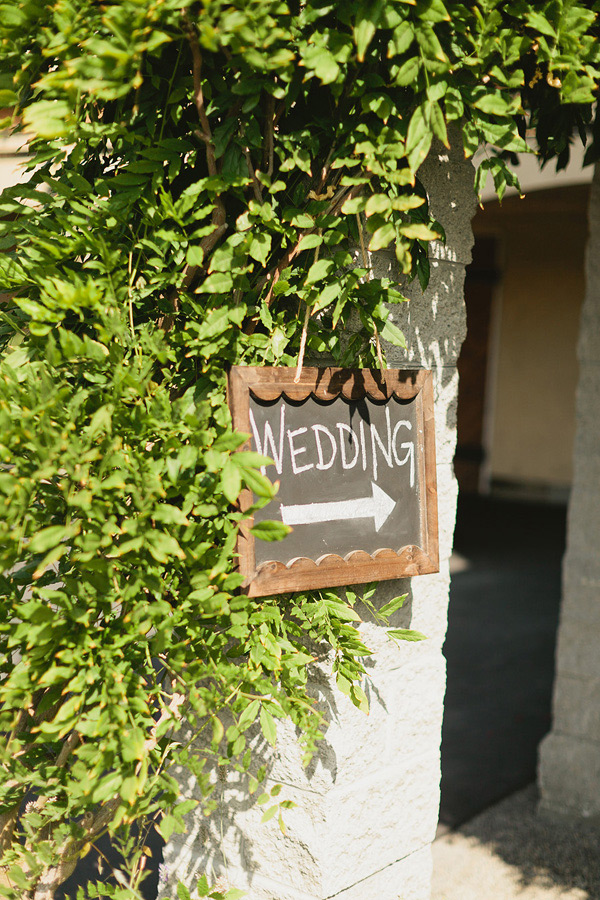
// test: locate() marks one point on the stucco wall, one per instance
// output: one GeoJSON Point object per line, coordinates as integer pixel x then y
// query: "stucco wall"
{"type": "Point", "coordinates": [367, 807]}
{"type": "Point", "coordinates": [541, 242]}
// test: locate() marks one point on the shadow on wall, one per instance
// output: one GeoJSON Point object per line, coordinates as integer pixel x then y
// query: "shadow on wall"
{"type": "Point", "coordinates": [222, 845]}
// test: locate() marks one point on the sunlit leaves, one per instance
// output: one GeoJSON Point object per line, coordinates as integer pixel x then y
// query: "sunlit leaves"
{"type": "Point", "coordinates": [171, 228]}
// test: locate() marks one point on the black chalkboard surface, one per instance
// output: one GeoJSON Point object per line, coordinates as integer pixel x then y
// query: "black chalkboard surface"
{"type": "Point", "coordinates": [354, 453]}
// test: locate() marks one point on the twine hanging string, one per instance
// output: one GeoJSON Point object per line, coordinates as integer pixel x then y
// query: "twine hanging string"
{"type": "Point", "coordinates": [366, 265]}
{"type": "Point", "coordinates": [305, 328]}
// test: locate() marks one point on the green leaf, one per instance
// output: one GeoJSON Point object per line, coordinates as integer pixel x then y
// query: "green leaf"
{"type": "Point", "coordinates": [418, 138]}
{"type": "Point", "coordinates": [366, 26]}
{"type": "Point", "coordinates": [393, 605]}
{"type": "Point", "coordinates": [132, 742]}
{"type": "Point", "coordinates": [433, 11]}
{"type": "Point", "coordinates": [51, 536]}
{"type": "Point", "coordinates": [270, 530]}
{"type": "Point", "coordinates": [7, 98]}
{"type": "Point", "coordinates": [405, 634]}
{"type": "Point", "coordinates": [539, 22]}
{"type": "Point", "coordinates": [248, 715]}
{"type": "Point", "coordinates": [217, 283]}
{"type": "Point", "coordinates": [203, 888]}
{"type": "Point", "coordinates": [378, 203]}
{"type": "Point", "coordinates": [268, 726]}
{"type": "Point", "coordinates": [392, 333]}
{"type": "Point", "coordinates": [194, 256]}
{"type": "Point", "coordinates": [418, 231]}
{"type": "Point", "coordinates": [408, 72]}
{"type": "Point", "coordinates": [359, 698]}
{"type": "Point", "coordinates": [48, 119]}
{"type": "Point", "coordinates": [258, 483]}
{"type": "Point", "coordinates": [260, 247]}
{"type": "Point", "coordinates": [270, 813]}
{"type": "Point", "coordinates": [310, 241]}
{"type": "Point", "coordinates": [319, 270]}
{"type": "Point", "coordinates": [231, 480]}
{"type": "Point", "coordinates": [429, 43]}
{"type": "Point", "coordinates": [402, 38]}
{"type": "Point", "coordinates": [250, 459]}
{"type": "Point", "coordinates": [322, 62]}
{"type": "Point", "coordinates": [438, 123]}
{"type": "Point", "coordinates": [496, 104]}
{"type": "Point", "coordinates": [163, 546]}
{"type": "Point", "coordinates": [382, 237]}
{"type": "Point", "coordinates": [168, 825]}
{"type": "Point", "coordinates": [128, 789]}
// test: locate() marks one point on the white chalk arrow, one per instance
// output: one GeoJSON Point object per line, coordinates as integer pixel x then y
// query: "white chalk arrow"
{"type": "Point", "coordinates": [378, 506]}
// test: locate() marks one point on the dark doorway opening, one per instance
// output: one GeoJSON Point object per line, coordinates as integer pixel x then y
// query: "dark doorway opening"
{"type": "Point", "coordinates": [504, 597]}
{"type": "Point", "coordinates": [504, 603]}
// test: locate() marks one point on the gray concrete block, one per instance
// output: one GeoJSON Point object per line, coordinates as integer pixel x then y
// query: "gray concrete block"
{"type": "Point", "coordinates": [569, 776]}
{"type": "Point", "coordinates": [577, 651]}
{"type": "Point", "coordinates": [576, 710]}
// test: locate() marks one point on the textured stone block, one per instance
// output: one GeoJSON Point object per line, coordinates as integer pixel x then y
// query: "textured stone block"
{"type": "Point", "coordinates": [570, 755]}
{"type": "Point", "coordinates": [576, 710]}
{"type": "Point", "coordinates": [407, 879]}
{"type": "Point", "coordinates": [578, 649]}
{"type": "Point", "coordinates": [581, 595]}
{"type": "Point", "coordinates": [569, 776]}
{"type": "Point", "coordinates": [434, 324]}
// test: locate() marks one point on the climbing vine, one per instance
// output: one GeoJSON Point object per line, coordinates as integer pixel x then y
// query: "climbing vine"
{"type": "Point", "coordinates": [200, 179]}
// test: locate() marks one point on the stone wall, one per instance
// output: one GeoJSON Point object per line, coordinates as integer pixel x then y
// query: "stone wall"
{"type": "Point", "coordinates": [569, 771]}
{"type": "Point", "coordinates": [367, 807]}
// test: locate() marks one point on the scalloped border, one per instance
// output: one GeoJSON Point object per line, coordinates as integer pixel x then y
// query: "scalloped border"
{"type": "Point", "coordinates": [326, 385]}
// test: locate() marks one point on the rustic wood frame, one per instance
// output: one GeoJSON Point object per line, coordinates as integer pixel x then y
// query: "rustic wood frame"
{"type": "Point", "coordinates": [275, 577]}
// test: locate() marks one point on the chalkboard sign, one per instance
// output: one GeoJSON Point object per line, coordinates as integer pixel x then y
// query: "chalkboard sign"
{"type": "Point", "coordinates": [354, 453]}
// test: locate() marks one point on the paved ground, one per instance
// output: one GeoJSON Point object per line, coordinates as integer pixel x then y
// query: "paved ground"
{"type": "Point", "coordinates": [509, 853]}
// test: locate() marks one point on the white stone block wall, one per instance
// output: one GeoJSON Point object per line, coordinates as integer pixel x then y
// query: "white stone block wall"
{"type": "Point", "coordinates": [367, 807]}
{"type": "Point", "coordinates": [569, 770]}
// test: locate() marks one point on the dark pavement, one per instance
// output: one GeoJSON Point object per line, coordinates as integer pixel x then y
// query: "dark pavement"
{"type": "Point", "coordinates": [503, 616]}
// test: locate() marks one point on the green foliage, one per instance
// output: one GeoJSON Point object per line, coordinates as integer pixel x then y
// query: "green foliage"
{"type": "Point", "coordinates": [199, 175]}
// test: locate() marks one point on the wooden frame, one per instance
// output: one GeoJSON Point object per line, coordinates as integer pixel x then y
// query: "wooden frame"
{"type": "Point", "coordinates": [357, 567]}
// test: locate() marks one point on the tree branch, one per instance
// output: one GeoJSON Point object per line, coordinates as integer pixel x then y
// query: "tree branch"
{"type": "Point", "coordinates": [334, 207]}
{"type": "Point", "coordinates": [206, 133]}
{"type": "Point", "coordinates": [267, 162]}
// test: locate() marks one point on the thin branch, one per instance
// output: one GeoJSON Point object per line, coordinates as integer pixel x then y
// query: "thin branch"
{"type": "Point", "coordinates": [267, 162]}
{"type": "Point", "coordinates": [366, 265]}
{"type": "Point", "coordinates": [302, 345]}
{"type": "Point", "coordinates": [255, 182]}
{"type": "Point", "coordinates": [334, 207]}
{"type": "Point", "coordinates": [206, 133]}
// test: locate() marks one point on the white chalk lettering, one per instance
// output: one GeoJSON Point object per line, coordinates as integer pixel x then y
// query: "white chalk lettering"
{"type": "Point", "coordinates": [321, 464]}
{"type": "Point", "coordinates": [363, 445]}
{"type": "Point", "coordinates": [339, 446]}
{"type": "Point", "coordinates": [351, 440]}
{"type": "Point", "coordinates": [408, 446]}
{"type": "Point", "coordinates": [296, 451]}
{"type": "Point", "coordinates": [387, 452]}
{"type": "Point", "coordinates": [269, 440]}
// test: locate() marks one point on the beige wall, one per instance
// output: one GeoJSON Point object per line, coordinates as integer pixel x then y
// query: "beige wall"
{"type": "Point", "coordinates": [533, 365]}
{"type": "Point", "coordinates": [11, 159]}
